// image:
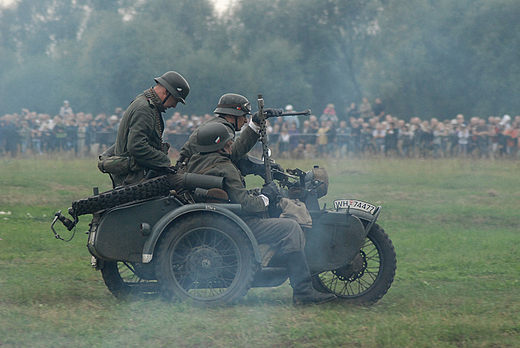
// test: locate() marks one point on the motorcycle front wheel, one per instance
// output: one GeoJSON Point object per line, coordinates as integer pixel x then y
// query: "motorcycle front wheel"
{"type": "Point", "coordinates": [368, 277]}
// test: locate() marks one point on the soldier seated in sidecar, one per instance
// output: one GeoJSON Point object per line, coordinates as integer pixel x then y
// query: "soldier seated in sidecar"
{"type": "Point", "coordinates": [214, 147]}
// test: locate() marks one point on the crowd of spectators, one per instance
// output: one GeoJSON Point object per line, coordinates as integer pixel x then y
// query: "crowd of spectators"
{"type": "Point", "coordinates": [358, 131]}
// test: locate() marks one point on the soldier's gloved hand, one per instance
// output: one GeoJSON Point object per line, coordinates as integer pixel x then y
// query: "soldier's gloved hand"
{"type": "Point", "coordinates": [265, 199]}
{"type": "Point", "coordinates": [277, 171]}
{"type": "Point", "coordinates": [272, 191]}
{"type": "Point", "coordinates": [166, 147]}
{"type": "Point", "coordinates": [275, 167]}
{"type": "Point", "coordinates": [269, 112]}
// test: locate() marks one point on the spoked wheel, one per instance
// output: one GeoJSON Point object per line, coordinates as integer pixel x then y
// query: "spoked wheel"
{"type": "Point", "coordinates": [367, 279]}
{"type": "Point", "coordinates": [125, 280]}
{"type": "Point", "coordinates": [205, 258]}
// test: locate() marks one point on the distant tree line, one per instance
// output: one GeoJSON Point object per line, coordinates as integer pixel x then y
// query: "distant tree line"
{"type": "Point", "coordinates": [423, 58]}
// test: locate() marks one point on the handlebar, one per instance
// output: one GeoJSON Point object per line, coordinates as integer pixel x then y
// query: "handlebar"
{"type": "Point", "coordinates": [69, 224]}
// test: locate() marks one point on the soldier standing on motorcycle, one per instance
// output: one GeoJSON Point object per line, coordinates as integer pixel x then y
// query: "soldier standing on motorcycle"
{"type": "Point", "coordinates": [232, 111]}
{"type": "Point", "coordinates": [214, 144]}
{"type": "Point", "coordinates": [140, 132]}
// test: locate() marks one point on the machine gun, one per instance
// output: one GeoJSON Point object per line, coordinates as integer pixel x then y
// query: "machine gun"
{"type": "Point", "coordinates": [263, 135]}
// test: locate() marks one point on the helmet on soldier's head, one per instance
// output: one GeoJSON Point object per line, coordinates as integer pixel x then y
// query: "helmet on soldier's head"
{"type": "Point", "coordinates": [175, 84]}
{"type": "Point", "coordinates": [212, 137]}
{"type": "Point", "coordinates": [233, 104]}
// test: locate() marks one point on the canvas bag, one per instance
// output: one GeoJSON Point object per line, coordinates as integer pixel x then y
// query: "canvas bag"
{"type": "Point", "coordinates": [118, 165]}
{"type": "Point", "coordinates": [296, 210]}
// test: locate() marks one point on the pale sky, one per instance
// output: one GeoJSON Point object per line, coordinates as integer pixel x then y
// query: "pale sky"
{"type": "Point", "coordinates": [220, 4]}
{"type": "Point", "coordinates": [6, 2]}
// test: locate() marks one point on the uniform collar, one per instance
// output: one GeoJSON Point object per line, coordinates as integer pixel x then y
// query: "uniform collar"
{"type": "Point", "coordinates": [153, 100]}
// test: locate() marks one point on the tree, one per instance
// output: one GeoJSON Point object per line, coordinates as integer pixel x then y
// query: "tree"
{"type": "Point", "coordinates": [332, 35]}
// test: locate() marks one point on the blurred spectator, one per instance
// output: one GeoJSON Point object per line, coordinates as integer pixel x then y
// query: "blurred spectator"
{"type": "Point", "coordinates": [391, 137]}
{"type": "Point", "coordinates": [329, 114]}
{"type": "Point", "coordinates": [352, 111]}
{"type": "Point", "coordinates": [355, 135]}
{"type": "Point", "coordinates": [365, 110]}
{"type": "Point", "coordinates": [313, 124]}
{"type": "Point", "coordinates": [343, 138]}
{"type": "Point", "coordinates": [82, 134]}
{"type": "Point", "coordinates": [112, 128]}
{"type": "Point", "coordinates": [283, 141]}
{"type": "Point", "coordinates": [482, 134]}
{"type": "Point", "coordinates": [426, 138]}
{"type": "Point", "coordinates": [24, 134]}
{"type": "Point", "coordinates": [71, 140]}
{"type": "Point", "coordinates": [66, 110]}
{"type": "Point", "coordinates": [511, 135]}
{"type": "Point", "coordinates": [378, 135]}
{"type": "Point", "coordinates": [463, 135]}
{"type": "Point", "coordinates": [294, 135]}
{"type": "Point", "coordinates": [291, 119]}
{"type": "Point", "coordinates": [438, 134]}
{"type": "Point", "coordinates": [322, 139]}
{"type": "Point", "coordinates": [10, 136]}
{"type": "Point", "coordinates": [379, 109]}
{"type": "Point", "coordinates": [404, 140]}
{"type": "Point", "coordinates": [331, 138]}
{"type": "Point", "coordinates": [59, 134]}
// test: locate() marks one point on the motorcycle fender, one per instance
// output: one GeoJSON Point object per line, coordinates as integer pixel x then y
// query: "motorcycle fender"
{"type": "Point", "coordinates": [334, 240]}
{"type": "Point", "coordinates": [170, 218]}
{"type": "Point", "coordinates": [120, 233]}
{"type": "Point", "coordinates": [369, 219]}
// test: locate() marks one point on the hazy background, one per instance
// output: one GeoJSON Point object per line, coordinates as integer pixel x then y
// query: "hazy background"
{"type": "Point", "coordinates": [423, 58]}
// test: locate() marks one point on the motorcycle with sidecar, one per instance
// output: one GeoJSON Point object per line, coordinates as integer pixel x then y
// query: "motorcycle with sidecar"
{"type": "Point", "coordinates": [188, 244]}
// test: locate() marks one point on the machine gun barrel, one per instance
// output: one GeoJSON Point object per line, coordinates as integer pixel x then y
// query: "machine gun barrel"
{"type": "Point", "coordinates": [296, 113]}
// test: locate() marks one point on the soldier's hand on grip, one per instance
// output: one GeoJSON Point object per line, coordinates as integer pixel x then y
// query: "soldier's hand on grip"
{"type": "Point", "coordinates": [269, 112]}
{"type": "Point", "coordinates": [272, 192]}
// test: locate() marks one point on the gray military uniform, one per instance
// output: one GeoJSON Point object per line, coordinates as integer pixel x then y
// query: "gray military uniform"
{"type": "Point", "coordinates": [140, 136]}
{"type": "Point", "coordinates": [283, 234]}
{"type": "Point", "coordinates": [243, 144]}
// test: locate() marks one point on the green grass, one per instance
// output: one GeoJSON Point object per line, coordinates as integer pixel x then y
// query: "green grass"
{"type": "Point", "coordinates": [454, 225]}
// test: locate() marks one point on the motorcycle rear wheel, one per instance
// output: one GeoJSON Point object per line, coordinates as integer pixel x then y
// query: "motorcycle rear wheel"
{"type": "Point", "coordinates": [367, 279]}
{"type": "Point", "coordinates": [126, 280]}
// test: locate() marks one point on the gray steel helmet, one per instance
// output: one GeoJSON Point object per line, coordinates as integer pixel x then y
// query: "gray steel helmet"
{"type": "Point", "coordinates": [233, 104]}
{"type": "Point", "coordinates": [175, 84]}
{"type": "Point", "coordinates": [212, 137]}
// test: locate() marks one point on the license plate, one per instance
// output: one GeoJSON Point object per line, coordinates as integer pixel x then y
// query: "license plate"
{"type": "Point", "coordinates": [354, 204]}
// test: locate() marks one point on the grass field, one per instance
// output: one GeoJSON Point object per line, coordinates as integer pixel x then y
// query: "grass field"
{"type": "Point", "coordinates": [454, 224]}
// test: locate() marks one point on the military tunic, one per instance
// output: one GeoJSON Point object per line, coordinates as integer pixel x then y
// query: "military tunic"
{"type": "Point", "coordinates": [281, 234]}
{"type": "Point", "coordinates": [245, 142]}
{"type": "Point", "coordinates": [220, 165]}
{"type": "Point", "coordinates": [140, 136]}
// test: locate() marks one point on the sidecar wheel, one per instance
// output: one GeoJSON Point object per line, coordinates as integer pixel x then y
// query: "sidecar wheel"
{"type": "Point", "coordinates": [369, 276]}
{"type": "Point", "coordinates": [125, 280]}
{"type": "Point", "coordinates": [206, 259]}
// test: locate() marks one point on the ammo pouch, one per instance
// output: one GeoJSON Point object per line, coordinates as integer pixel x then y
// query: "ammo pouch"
{"type": "Point", "coordinates": [118, 165]}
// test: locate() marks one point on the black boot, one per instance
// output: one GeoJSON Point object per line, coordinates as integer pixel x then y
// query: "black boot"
{"type": "Point", "coordinates": [300, 277]}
